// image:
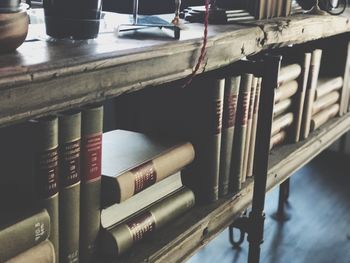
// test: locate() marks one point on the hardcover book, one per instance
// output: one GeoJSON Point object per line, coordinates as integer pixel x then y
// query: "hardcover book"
{"type": "Point", "coordinates": [281, 123]}
{"type": "Point", "coordinates": [229, 117]}
{"type": "Point", "coordinates": [286, 91]}
{"type": "Point", "coordinates": [41, 253]}
{"type": "Point", "coordinates": [325, 102]}
{"type": "Point", "coordinates": [240, 133]}
{"type": "Point", "coordinates": [134, 161]}
{"type": "Point", "coordinates": [288, 73]}
{"type": "Point", "coordinates": [119, 239]}
{"type": "Point", "coordinates": [69, 178]}
{"type": "Point", "coordinates": [323, 116]}
{"type": "Point", "coordinates": [117, 213]}
{"type": "Point", "coordinates": [90, 201]}
{"type": "Point", "coordinates": [328, 85]}
{"type": "Point", "coordinates": [20, 232]}
{"type": "Point", "coordinates": [278, 139]}
{"type": "Point", "coordinates": [282, 107]}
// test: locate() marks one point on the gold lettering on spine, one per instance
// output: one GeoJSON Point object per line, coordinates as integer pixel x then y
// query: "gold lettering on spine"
{"type": "Point", "coordinates": [145, 176]}
{"type": "Point", "coordinates": [142, 226]}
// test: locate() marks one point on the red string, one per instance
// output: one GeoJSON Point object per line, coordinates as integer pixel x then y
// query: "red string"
{"type": "Point", "coordinates": [204, 44]}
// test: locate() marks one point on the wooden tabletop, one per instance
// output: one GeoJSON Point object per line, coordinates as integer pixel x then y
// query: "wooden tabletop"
{"type": "Point", "coordinates": [45, 76]}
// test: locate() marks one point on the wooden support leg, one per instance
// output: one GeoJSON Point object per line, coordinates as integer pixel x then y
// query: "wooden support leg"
{"type": "Point", "coordinates": [269, 69]}
{"type": "Point", "coordinates": [281, 214]}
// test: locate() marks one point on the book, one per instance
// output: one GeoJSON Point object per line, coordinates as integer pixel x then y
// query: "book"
{"type": "Point", "coordinates": [228, 127]}
{"type": "Point", "coordinates": [46, 172]}
{"type": "Point", "coordinates": [325, 101]}
{"type": "Point", "coordinates": [279, 8]}
{"type": "Point", "coordinates": [287, 7]}
{"type": "Point", "coordinates": [281, 107]}
{"type": "Point", "coordinates": [69, 177]}
{"type": "Point", "coordinates": [261, 9]}
{"type": "Point", "coordinates": [278, 139]}
{"type": "Point", "coordinates": [328, 85]}
{"type": "Point", "coordinates": [345, 94]}
{"type": "Point", "coordinates": [300, 97]}
{"type": "Point", "coordinates": [254, 129]}
{"type": "Point", "coordinates": [117, 213]}
{"type": "Point", "coordinates": [323, 116]}
{"type": "Point", "coordinates": [90, 188]}
{"type": "Point", "coordinates": [310, 91]}
{"type": "Point", "coordinates": [22, 231]}
{"type": "Point", "coordinates": [281, 123]}
{"type": "Point", "coordinates": [249, 128]}
{"type": "Point", "coordinates": [41, 253]}
{"type": "Point", "coordinates": [288, 73]}
{"type": "Point", "coordinates": [134, 161]}
{"type": "Point", "coordinates": [237, 161]}
{"type": "Point", "coordinates": [119, 239]}
{"type": "Point", "coordinates": [286, 90]}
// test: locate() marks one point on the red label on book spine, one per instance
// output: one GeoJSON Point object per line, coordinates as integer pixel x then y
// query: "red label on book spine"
{"type": "Point", "coordinates": [145, 176]}
{"type": "Point", "coordinates": [48, 172]}
{"type": "Point", "coordinates": [244, 112]}
{"type": "Point", "coordinates": [218, 117]}
{"type": "Point", "coordinates": [91, 153]}
{"type": "Point", "coordinates": [142, 226]}
{"type": "Point", "coordinates": [230, 110]}
{"type": "Point", "coordinates": [70, 163]}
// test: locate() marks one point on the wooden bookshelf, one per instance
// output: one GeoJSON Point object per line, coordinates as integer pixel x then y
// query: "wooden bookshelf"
{"type": "Point", "coordinates": [185, 236]}
{"type": "Point", "coordinates": [44, 77]}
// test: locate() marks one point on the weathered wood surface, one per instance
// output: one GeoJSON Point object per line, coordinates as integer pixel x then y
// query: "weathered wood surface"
{"type": "Point", "coordinates": [44, 77]}
{"type": "Point", "coordinates": [185, 236]}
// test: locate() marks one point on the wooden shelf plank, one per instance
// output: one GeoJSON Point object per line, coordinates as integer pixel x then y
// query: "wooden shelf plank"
{"type": "Point", "coordinates": [181, 239]}
{"type": "Point", "coordinates": [44, 77]}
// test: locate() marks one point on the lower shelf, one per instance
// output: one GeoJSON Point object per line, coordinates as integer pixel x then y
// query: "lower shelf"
{"type": "Point", "coordinates": [181, 239]}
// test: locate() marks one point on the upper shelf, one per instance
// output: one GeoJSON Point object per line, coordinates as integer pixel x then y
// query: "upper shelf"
{"type": "Point", "coordinates": [46, 76]}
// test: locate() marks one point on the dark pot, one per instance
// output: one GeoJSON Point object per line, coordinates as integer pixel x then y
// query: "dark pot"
{"type": "Point", "coordinates": [75, 19]}
{"type": "Point", "coordinates": [10, 6]}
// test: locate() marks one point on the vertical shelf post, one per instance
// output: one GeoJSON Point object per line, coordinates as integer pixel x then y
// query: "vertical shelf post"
{"type": "Point", "coordinates": [269, 72]}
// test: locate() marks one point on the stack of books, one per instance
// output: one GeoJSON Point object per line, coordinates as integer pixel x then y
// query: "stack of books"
{"type": "Point", "coordinates": [286, 119]}
{"type": "Point", "coordinates": [142, 189]}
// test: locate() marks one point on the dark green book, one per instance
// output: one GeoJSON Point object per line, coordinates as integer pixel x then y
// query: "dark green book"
{"type": "Point", "coordinates": [69, 177]}
{"type": "Point", "coordinates": [120, 238]}
{"type": "Point", "coordinates": [91, 150]}
{"type": "Point", "coordinates": [19, 233]}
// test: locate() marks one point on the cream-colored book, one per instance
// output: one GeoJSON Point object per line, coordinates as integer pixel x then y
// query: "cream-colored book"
{"type": "Point", "coordinates": [328, 85]}
{"type": "Point", "coordinates": [288, 73]}
{"type": "Point", "coordinates": [286, 91]}
{"type": "Point", "coordinates": [323, 116]}
{"type": "Point", "coordinates": [281, 107]}
{"type": "Point", "coordinates": [278, 139]}
{"type": "Point", "coordinates": [254, 128]}
{"type": "Point", "coordinates": [281, 123]}
{"type": "Point", "coordinates": [310, 91]}
{"type": "Point", "coordinates": [300, 98]}
{"type": "Point", "coordinates": [249, 127]}
{"type": "Point", "coordinates": [325, 101]}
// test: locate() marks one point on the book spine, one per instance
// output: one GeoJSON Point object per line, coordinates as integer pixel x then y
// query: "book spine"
{"type": "Point", "coordinates": [91, 150]}
{"type": "Point", "coordinates": [279, 8]}
{"type": "Point", "coordinates": [24, 234]}
{"type": "Point", "coordinates": [300, 100]}
{"type": "Point", "coordinates": [278, 139]}
{"type": "Point", "coordinates": [286, 91]}
{"type": "Point", "coordinates": [249, 128]}
{"type": "Point", "coordinates": [345, 93]}
{"type": "Point", "coordinates": [146, 174]}
{"type": "Point", "coordinates": [281, 123]}
{"type": "Point", "coordinates": [121, 238]}
{"type": "Point", "coordinates": [323, 116]}
{"type": "Point", "coordinates": [328, 86]}
{"type": "Point", "coordinates": [310, 91]}
{"type": "Point", "coordinates": [240, 133]}
{"type": "Point", "coordinates": [47, 173]}
{"type": "Point", "coordinates": [41, 253]}
{"type": "Point", "coordinates": [254, 129]}
{"type": "Point", "coordinates": [217, 112]}
{"type": "Point", "coordinates": [281, 107]}
{"type": "Point", "coordinates": [261, 9]}
{"type": "Point", "coordinates": [288, 73]}
{"type": "Point", "coordinates": [229, 117]}
{"type": "Point", "coordinates": [69, 176]}
{"type": "Point", "coordinates": [287, 7]}
{"type": "Point", "coordinates": [325, 102]}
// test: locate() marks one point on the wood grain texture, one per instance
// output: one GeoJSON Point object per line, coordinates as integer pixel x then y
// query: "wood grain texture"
{"type": "Point", "coordinates": [44, 76]}
{"type": "Point", "coordinates": [181, 239]}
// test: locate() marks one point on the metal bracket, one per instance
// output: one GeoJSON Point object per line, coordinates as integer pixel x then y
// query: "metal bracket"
{"type": "Point", "coordinates": [242, 224]}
